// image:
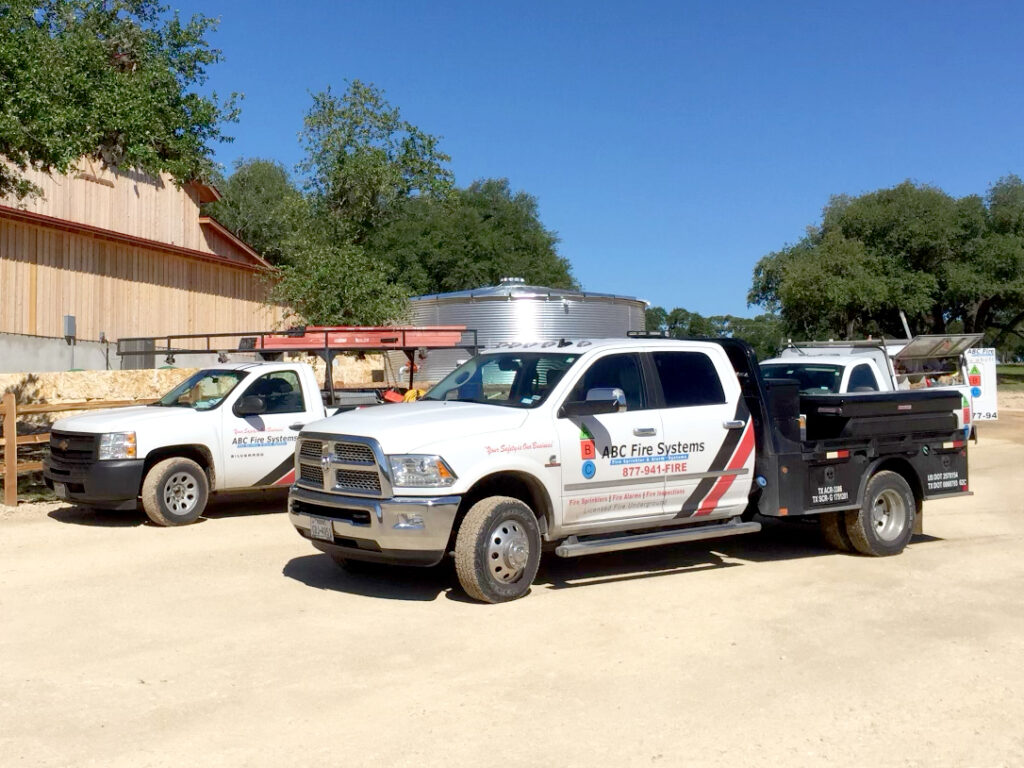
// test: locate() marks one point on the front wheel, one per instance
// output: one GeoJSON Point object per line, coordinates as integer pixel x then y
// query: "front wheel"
{"type": "Point", "coordinates": [497, 550]}
{"type": "Point", "coordinates": [175, 491]}
{"type": "Point", "coordinates": [885, 522]}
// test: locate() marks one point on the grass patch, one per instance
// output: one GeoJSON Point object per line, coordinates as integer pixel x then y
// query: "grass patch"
{"type": "Point", "coordinates": [1010, 378]}
{"type": "Point", "coordinates": [32, 488]}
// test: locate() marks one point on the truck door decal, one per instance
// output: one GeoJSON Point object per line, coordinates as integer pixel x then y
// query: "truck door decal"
{"type": "Point", "coordinates": [732, 455]}
{"type": "Point", "coordinates": [282, 474]}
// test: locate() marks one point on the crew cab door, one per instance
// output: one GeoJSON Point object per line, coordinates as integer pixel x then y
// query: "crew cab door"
{"type": "Point", "coordinates": [708, 446]}
{"type": "Point", "coordinates": [606, 467]}
{"type": "Point", "coordinates": [259, 447]}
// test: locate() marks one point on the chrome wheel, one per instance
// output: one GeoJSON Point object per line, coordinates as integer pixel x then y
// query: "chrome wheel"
{"type": "Point", "coordinates": [181, 493]}
{"type": "Point", "coordinates": [508, 551]}
{"type": "Point", "coordinates": [889, 515]}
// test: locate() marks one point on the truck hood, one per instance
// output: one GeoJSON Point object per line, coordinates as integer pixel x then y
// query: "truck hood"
{"type": "Point", "coordinates": [408, 427]}
{"type": "Point", "coordinates": [123, 419]}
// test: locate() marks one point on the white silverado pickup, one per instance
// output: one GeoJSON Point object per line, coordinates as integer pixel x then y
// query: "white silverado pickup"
{"type": "Point", "coordinates": [592, 446]}
{"type": "Point", "coordinates": [229, 427]}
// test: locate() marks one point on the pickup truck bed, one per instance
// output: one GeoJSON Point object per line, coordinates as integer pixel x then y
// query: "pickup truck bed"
{"type": "Point", "coordinates": [815, 453]}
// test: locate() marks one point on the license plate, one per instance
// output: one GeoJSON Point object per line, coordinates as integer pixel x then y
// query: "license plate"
{"type": "Point", "coordinates": [60, 490]}
{"type": "Point", "coordinates": [321, 529]}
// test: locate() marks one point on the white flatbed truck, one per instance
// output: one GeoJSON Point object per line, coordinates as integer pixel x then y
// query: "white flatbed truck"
{"type": "Point", "coordinates": [587, 446]}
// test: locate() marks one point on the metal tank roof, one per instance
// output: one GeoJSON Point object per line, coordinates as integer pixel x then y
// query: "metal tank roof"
{"type": "Point", "coordinates": [516, 288]}
{"type": "Point", "coordinates": [514, 311]}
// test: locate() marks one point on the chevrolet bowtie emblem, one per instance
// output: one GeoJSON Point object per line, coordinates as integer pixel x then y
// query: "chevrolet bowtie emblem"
{"type": "Point", "coordinates": [62, 444]}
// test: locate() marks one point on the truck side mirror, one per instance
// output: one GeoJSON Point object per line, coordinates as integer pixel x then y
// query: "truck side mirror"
{"type": "Point", "coordinates": [599, 400]}
{"type": "Point", "coordinates": [250, 405]}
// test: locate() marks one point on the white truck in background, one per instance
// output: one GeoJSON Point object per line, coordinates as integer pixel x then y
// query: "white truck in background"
{"type": "Point", "coordinates": [225, 428]}
{"type": "Point", "coordinates": [230, 427]}
{"type": "Point", "coordinates": [841, 367]}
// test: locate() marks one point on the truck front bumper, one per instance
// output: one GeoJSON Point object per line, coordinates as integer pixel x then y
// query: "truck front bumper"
{"type": "Point", "coordinates": [410, 530]}
{"type": "Point", "coordinates": [104, 484]}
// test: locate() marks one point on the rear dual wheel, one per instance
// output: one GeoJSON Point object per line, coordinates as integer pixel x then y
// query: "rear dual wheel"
{"type": "Point", "coordinates": [884, 523]}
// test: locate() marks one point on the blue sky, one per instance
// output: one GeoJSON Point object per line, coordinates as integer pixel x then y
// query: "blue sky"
{"type": "Point", "coordinates": [669, 144]}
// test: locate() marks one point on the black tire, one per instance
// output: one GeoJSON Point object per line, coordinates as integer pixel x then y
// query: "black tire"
{"type": "Point", "coordinates": [497, 550]}
{"type": "Point", "coordinates": [833, 529]}
{"type": "Point", "coordinates": [885, 522]}
{"type": "Point", "coordinates": [175, 492]}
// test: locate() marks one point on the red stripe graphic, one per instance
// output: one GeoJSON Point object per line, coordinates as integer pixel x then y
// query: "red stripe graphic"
{"type": "Point", "coordinates": [288, 479]}
{"type": "Point", "coordinates": [739, 458]}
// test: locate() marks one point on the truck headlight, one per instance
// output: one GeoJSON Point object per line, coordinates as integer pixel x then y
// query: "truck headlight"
{"type": "Point", "coordinates": [117, 445]}
{"type": "Point", "coordinates": [420, 472]}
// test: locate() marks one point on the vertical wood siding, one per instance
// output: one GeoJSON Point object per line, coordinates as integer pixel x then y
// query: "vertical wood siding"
{"type": "Point", "coordinates": [121, 289]}
{"type": "Point", "coordinates": [130, 203]}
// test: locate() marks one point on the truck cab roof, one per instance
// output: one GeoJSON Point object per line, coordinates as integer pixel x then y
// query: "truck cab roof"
{"type": "Point", "coordinates": [579, 346]}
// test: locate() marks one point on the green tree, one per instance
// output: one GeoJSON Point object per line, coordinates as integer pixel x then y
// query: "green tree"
{"type": "Point", "coordinates": [107, 79]}
{"type": "Point", "coordinates": [764, 333]}
{"type": "Point", "coordinates": [363, 161]}
{"type": "Point", "coordinates": [336, 284]}
{"type": "Point", "coordinates": [943, 261]}
{"type": "Point", "coordinates": [655, 319]}
{"type": "Point", "coordinates": [473, 237]}
{"type": "Point", "coordinates": [262, 206]}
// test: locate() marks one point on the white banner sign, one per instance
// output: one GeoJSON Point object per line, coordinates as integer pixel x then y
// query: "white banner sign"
{"type": "Point", "coordinates": [981, 377]}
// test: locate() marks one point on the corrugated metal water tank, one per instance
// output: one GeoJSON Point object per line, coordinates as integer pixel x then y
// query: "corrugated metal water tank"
{"type": "Point", "coordinates": [514, 311]}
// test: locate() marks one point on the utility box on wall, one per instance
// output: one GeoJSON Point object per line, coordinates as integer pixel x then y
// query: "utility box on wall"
{"type": "Point", "coordinates": [69, 329]}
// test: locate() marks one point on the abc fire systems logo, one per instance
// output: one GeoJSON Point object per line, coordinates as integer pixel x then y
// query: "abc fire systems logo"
{"type": "Point", "coordinates": [588, 452]}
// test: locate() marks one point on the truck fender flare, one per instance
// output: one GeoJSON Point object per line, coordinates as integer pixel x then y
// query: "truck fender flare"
{"type": "Point", "coordinates": [901, 466]}
{"type": "Point", "coordinates": [198, 452]}
{"type": "Point", "coordinates": [530, 490]}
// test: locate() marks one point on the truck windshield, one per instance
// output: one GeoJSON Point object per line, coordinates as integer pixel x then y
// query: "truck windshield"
{"type": "Point", "coordinates": [510, 379]}
{"type": "Point", "coordinates": [813, 377]}
{"type": "Point", "coordinates": [202, 390]}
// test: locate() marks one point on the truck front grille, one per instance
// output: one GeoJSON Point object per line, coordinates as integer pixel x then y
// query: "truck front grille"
{"type": "Point", "coordinates": [354, 453]}
{"type": "Point", "coordinates": [311, 449]}
{"type": "Point", "coordinates": [350, 479]}
{"type": "Point", "coordinates": [311, 475]}
{"type": "Point", "coordinates": [69, 448]}
{"type": "Point", "coordinates": [342, 465]}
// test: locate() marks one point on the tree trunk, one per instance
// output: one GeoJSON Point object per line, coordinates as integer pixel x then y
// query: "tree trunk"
{"type": "Point", "coordinates": [982, 316]}
{"type": "Point", "coordinates": [1007, 329]}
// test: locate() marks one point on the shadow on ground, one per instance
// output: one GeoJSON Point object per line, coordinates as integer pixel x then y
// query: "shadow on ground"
{"type": "Point", "coordinates": [779, 540]}
{"type": "Point", "coordinates": [102, 518]}
{"type": "Point", "coordinates": [221, 507]}
{"type": "Point", "coordinates": [247, 504]}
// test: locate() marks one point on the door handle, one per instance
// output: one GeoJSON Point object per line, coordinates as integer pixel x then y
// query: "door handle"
{"type": "Point", "coordinates": [296, 426]}
{"type": "Point", "coordinates": [734, 424]}
{"type": "Point", "coordinates": [645, 431]}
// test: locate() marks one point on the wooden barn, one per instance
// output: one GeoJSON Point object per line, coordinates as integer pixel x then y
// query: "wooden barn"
{"type": "Point", "coordinates": [127, 255]}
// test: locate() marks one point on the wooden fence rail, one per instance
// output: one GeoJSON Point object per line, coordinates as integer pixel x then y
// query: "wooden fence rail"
{"type": "Point", "coordinates": [10, 467]}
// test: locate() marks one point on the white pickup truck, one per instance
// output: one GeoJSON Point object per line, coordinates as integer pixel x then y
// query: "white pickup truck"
{"type": "Point", "coordinates": [598, 445]}
{"type": "Point", "coordinates": [930, 361]}
{"type": "Point", "coordinates": [228, 427]}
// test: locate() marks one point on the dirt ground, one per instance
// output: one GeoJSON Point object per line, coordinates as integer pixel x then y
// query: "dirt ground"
{"type": "Point", "coordinates": [232, 642]}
